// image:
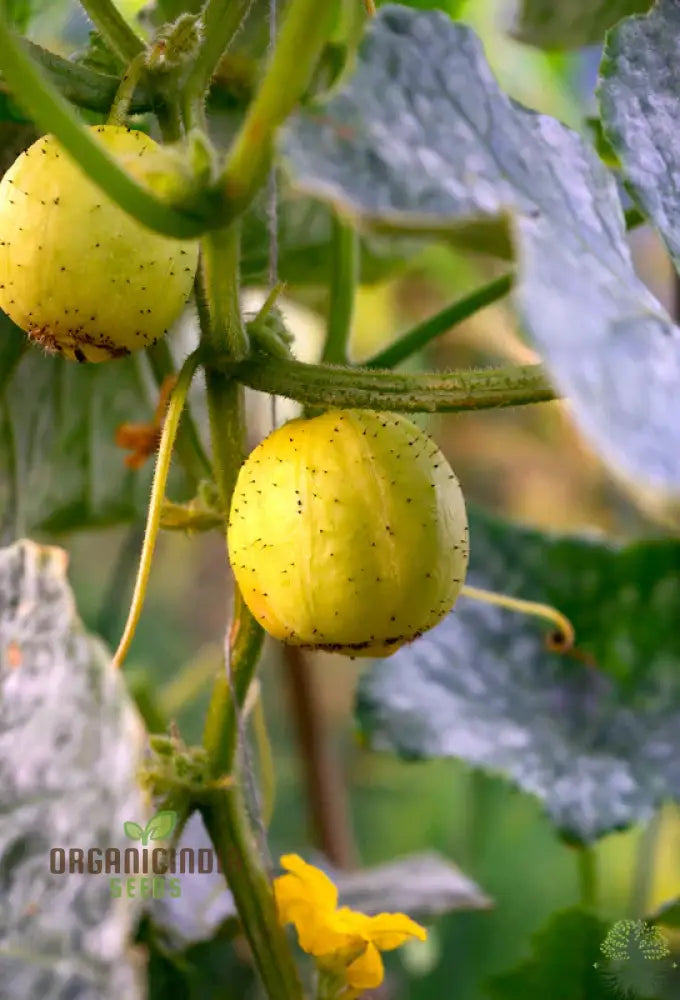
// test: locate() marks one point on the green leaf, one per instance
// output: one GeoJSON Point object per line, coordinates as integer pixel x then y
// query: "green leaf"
{"type": "Point", "coordinates": [668, 915]}
{"type": "Point", "coordinates": [19, 12]}
{"type": "Point", "coordinates": [565, 963]}
{"type": "Point", "coordinates": [133, 830]}
{"type": "Point", "coordinates": [71, 744]}
{"type": "Point", "coordinates": [161, 825]}
{"type": "Point", "coordinates": [60, 468]}
{"type": "Point", "coordinates": [421, 139]}
{"type": "Point", "coordinates": [304, 245]}
{"type": "Point", "coordinates": [595, 736]}
{"type": "Point", "coordinates": [639, 93]}
{"type": "Point", "coordinates": [211, 970]}
{"type": "Point", "coordinates": [570, 24]}
{"type": "Point", "coordinates": [97, 55]}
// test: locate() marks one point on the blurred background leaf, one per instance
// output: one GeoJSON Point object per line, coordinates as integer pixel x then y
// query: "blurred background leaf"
{"type": "Point", "coordinates": [60, 468]}
{"type": "Point", "coordinates": [564, 963]}
{"type": "Point", "coordinates": [570, 24]}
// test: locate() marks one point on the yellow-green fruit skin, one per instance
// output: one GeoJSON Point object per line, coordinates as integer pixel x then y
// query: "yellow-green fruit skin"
{"type": "Point", "coordinates": [348, 532]}
{"type": "Point", "coordinates": [77, 273]}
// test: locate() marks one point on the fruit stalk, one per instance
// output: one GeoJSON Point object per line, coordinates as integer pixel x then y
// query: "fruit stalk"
{"type": "Point", "coordinates": [360, 388]}
{"type": "Point", "coordinates": [120, 106]}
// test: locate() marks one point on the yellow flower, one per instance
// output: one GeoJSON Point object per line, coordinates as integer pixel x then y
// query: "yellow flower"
{"type": "Point", "coordinates": [340, 939]}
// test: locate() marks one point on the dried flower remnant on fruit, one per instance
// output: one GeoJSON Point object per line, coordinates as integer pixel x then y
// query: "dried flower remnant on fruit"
{"type": "Point", "coordinates": [78, 274]}
{"type": "Point", "coordinates": [344, 942]}
{"type": "Point", "coordinates": [348, 533]}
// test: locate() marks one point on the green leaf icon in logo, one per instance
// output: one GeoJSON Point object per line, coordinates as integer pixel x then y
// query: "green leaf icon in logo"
{"type": "Point", "coordinates": [159, 827]}
{"type": "Point", "coordinates": [133, 830]}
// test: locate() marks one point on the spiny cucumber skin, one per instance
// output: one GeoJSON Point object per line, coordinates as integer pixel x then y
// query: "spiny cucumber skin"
{"type": "Point", "coordinates": [348, 532]}
{"type": "Point", "coordinates": [78, 274]}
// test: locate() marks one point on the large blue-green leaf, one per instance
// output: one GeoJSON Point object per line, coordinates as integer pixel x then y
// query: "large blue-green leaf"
{"type": "Point", "coordinates": [60, 468]}
{"type": "Point", "coordinates": [595, 736]}
{"type": "Point", "coordinates": [421, 139]}
{"type": "Point", "coordinates": [71, 743]}
{"type": "Point", "coordinates": [569, 24]}
{"type": "Point", "coordinates": [639, 95]}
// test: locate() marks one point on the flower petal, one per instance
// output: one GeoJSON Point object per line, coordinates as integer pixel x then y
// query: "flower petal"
{"type": "Point", "coordinates": [391, 930]}
{"type": "Point", "coordinates": [316, 886]}
{"type": "Point", "coordinates": [291, 900]}
{"type": "Point", "coordinates": [367, 971]}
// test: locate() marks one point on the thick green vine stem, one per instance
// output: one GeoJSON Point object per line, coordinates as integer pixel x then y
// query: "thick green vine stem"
{"type": "Point", "coordinates": [244, 646]}
{"type": "Point", "coordinates": [344, 278]}
{"type": "Point", "coordinates": [223, 336]}
{"type": "Point", "coordinates": [305, 29]}
{"type": "Point", "coordinates": [113, 27]}
{"type": "Point", "coordinates": [170, 425]}
{"type": "Point", "coordinates": [327, 385]}
{"type": "Point", "coordinates": [226, 822]}
{"type": "Point", "coordinates": [52, 113]}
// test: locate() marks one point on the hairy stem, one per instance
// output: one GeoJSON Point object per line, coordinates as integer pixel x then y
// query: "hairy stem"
{"type": "Point", "coordinates": [221, 21]}
{"type": "Point", "coordinates": [223, 334]}
{"type": "Point", "coordinates": [305, 29]}
{"type": "Point", "coordinates": [120, 108]}
{"type": "Point", "coordinates": [113, 28]}
{"type": "Point", "coordinates": [189, 448]}
{"type": "Point", "coordinates": [329, 386]}
{"type": "Point", "coordinates": [170, 425]}
{"type": "Point", "coordinates": [344, 278]}
{"type": "Point", "coordinates": [421, 335]}
{"type": "Point", "coordinates": [245, 646]}
{"type": "Point", "coordinates": [229, 830]}
{"type": "Point", "coordinates": [52, 113]}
